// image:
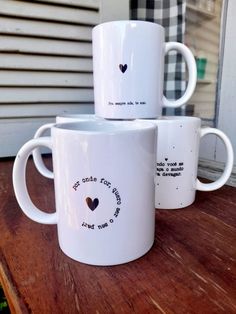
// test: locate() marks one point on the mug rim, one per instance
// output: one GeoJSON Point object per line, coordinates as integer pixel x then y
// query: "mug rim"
{"type": "Point", "coordinates": [173, 119]}
{"type": "Point", "coordinates": [147, 23]}
{"type": "Point", "coordinates": [76, 115]}
{"type": "Point", "coordinates": [101, 127]}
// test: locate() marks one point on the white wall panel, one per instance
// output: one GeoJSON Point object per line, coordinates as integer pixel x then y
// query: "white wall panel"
{"type": "Point", "coordinates": [45, 65]}
{"type": "Point", "coordinates": [94, 4]}
{"type": "Point", "coordinates": [44, 46]}
{"type": "Point", "coordinates": [38, 95]}
{"type": "Point", "coordinates": [43, 110]}
{"type": "Point", "coordinates": [52, 79]}
{"type": "Point", "coordinates": [25, 27]}
{"type": "Point", "coordinates": [46, 62]}
{"type": "Point", "coordinates": [42, 11]}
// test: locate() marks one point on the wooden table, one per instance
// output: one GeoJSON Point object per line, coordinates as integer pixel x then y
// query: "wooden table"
{"type": "Point", "coordinates": [190, 269]}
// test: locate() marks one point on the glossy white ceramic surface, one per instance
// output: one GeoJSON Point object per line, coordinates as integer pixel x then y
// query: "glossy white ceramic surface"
{"type": "Point", "coordinates": [177, 161]}
{"type": "Point", "coordinates": [37, 156]}
{"type": "Point", "coordinates": [128, 69]}
{"type": "Point", "coordinates": [104, 189]}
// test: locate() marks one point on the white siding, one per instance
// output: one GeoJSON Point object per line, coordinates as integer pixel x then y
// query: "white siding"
{"type": "Point", "coordinates": [14, 61]}
{"type": "Point", "coordinates": [53, 11]}
{"type": "Point", "coordinates": [45, 64]}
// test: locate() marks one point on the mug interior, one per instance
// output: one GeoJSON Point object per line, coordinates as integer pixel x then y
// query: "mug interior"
{"type": "Point", "coordinates": [174, 119]}
{"type": "Point", "coordinates": [77, 116]}
{"type": "Point", "coordinates": [98, 127]}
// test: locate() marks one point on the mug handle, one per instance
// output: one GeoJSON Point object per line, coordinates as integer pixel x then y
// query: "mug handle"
{"type": "Point", "coordinates": [19, 182]}
{"type": "Point", "coordinates": [37, 157]}
{"type": "Point", "coordinates": [228, 166]}
{"type": "Point", "coordinates": [192, 74]}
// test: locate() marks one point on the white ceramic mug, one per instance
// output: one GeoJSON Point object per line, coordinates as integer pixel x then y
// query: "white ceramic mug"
{"type": "Point", "coordinates": [66, 118]}
{"type": "Point", "coordinates": [177, 161]}
{"type": "Point", "coordinates": [104, 189]}
{"type": "Point", "coordinates": [128, 69]}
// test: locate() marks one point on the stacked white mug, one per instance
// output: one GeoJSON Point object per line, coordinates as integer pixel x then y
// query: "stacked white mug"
{"type": "Point", "coordinates": [128, 69]}
{"type": "Point", "coordinates": [128, 82]}
{"type": "Point", "coordinates": [110, 175]}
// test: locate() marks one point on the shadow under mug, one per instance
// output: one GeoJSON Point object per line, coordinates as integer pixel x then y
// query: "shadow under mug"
{"type": "Point", "coordinates": [66, 118]}
{"type": "Point", "coordinates": [177, 161]}
{"type": "Point", "coordinates": [128, 69]}
{"type": "Point", "coordinates": [100, 168]}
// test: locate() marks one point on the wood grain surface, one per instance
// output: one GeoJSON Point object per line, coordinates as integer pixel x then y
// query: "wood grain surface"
{"type": "Point", "coordinates": [190, 269]}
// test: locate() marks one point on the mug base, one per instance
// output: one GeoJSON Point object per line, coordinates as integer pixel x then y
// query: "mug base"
{"type": "Point", "coordinates": [109, 263]}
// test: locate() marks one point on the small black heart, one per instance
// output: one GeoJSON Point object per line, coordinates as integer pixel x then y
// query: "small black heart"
{"type": "Point", "coordinates": [92, 204]}
{"type": "Point", "coordinates": [123, 68]}
{"type": "Point", "coordinates": [166, 159]}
